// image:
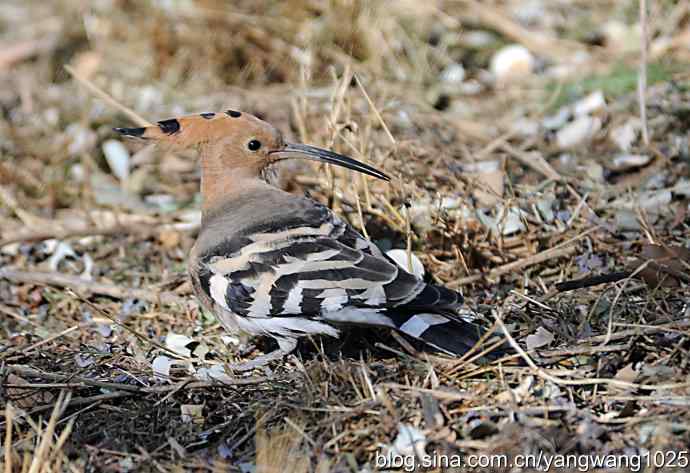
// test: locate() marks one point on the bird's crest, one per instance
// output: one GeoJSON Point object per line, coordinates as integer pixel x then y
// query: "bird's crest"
{"type": "Point", "coordinates": [191, 130]}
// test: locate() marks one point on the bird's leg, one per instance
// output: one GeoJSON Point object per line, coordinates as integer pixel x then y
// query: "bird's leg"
{"type": "Point", "coordinates": [285, 347]}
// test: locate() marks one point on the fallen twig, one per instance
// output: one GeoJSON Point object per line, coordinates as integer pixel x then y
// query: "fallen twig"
{"type": "Point", "coordinates": [80, 285]}
{"type": "Point", "coordinates": [134, 116]}
{"type": "Point", "coordinates": [551, 253]}
{"type": "Point", "coordinates": [591, 281]}
{"type": "Point", "coordinates": [76, 381]}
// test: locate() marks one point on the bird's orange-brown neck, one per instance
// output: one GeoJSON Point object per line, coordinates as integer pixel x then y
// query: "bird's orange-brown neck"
{"type": "Point", "coordinates": [224, 179]}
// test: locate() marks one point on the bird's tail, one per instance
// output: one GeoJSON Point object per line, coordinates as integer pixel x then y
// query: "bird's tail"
{"type": "Point", "coordinates": [432, 318]}
{"type": "Point", "coordinates": [443, 332]}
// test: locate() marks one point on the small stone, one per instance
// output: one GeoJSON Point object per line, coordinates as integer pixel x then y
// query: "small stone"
{"type": "Point", "coordinates": [453, 74]}
{"type": "Point", "coordinates": [77, 172]}
{"type": "Point", "coordinates": [656, 200]}
{"type": "Point", "coordinates": [512, 62]}
{"type": "Point", "coordinates": [117, 157]}
{"type": "Point", "coordinates": [11, 249]}
{"type": "Point", "coordinates": [471, 87]}
{"type": "Point", "coordinates": [626, 220]}
{"type": "Point", "coordinates": [81, 139]}
{"type": "Point", "coordinates": [578, 132]}
{"type": "Point", "coordinates": [478, 39]}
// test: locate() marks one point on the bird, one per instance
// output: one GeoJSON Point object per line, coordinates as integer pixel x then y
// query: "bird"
{"type": "Point", "coordinates": [267, 262]}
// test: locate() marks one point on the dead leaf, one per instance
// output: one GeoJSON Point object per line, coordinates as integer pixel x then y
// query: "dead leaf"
{"type": "Point", "coordinates": [25, 398]}
{"type": "Point", "coordinates": [170, 239]}
{"type": "Point", "coordinates": [666, 266]}
{"type": "Point", "coordinates": [540, 338]}
{"type": "Point", "coordinates": [627, 374]}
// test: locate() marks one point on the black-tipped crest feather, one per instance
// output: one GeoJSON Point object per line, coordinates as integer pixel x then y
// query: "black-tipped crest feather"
{"type": "Point", "coordinates": [135, 132]}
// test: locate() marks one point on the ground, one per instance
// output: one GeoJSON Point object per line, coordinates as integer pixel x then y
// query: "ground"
{"type": "Point", "coordinates": [515, 169]}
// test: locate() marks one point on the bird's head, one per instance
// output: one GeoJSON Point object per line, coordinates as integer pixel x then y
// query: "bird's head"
{"type": "Point", "coordinates": [238, 144]}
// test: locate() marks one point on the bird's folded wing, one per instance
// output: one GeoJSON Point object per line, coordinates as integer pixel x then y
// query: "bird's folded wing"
{"type": "Point", "coordinates": [310, 268]}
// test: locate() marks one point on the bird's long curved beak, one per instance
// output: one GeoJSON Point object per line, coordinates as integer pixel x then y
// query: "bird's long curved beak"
{"type": "Point", "coordinates": [294, 150]}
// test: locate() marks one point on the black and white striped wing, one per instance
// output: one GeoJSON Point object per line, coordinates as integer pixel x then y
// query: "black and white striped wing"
{"type": "Point", "coordinates": [304, 267]}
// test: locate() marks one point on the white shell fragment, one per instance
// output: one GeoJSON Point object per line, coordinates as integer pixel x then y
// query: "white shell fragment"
{"type": "Point", "coordinates": [88, 268]}
{"type": "Point", "coordinates": [590, 104]}
{"type": "Point", "coordinates": [525, 127]}
{"type": "Point", "coordinates": [214, 373]}
{"type": "Point", "coordinates": [410, 442]}
{"type": "Point", "coordinates": [624, 136]}
{"type": "Point", "coordinates": [62, 250]}
{"type": "Point", "coordinates": [512, 62]}
{"type": "Point", "coordinates": [624, 162]}
{"type": "Point", "coordinates": [519, 393]}
{"type": "Point", "coordinates": [230, 340]}
{"type": "Point", "coordinates": [401, 257]}
{"type": "Point", "coordinates": [506, 222]}
{"type": "Point", "coordinates": [161, 367]}
{"type": "Point", "coordinates": [545, 208]}
{"type": "Point", "coordinates": [682, 187]}
{"type": "Point", "coordinates": [480, 167]}
{"type": "Point", "coordinates": [178, 343]}
{"type": "Point", "coordinates": [117, 157]}
{"type": "Point", "coordinates": [578, 132]}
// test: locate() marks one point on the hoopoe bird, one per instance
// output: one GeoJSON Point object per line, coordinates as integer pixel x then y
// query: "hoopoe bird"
{"type": "Point", "coordinates": [268, 262]}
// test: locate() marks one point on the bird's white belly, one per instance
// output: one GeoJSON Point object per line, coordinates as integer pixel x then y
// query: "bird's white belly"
{"type": "Point", "coordinates": [291, 327]}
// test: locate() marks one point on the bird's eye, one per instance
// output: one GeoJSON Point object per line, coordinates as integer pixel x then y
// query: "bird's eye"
{"type": "Point", "coordinates": [254, 145]}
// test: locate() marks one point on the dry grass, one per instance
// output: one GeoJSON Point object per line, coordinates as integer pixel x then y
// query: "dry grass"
{"type": "Point", "coordinates": [596, 370]}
